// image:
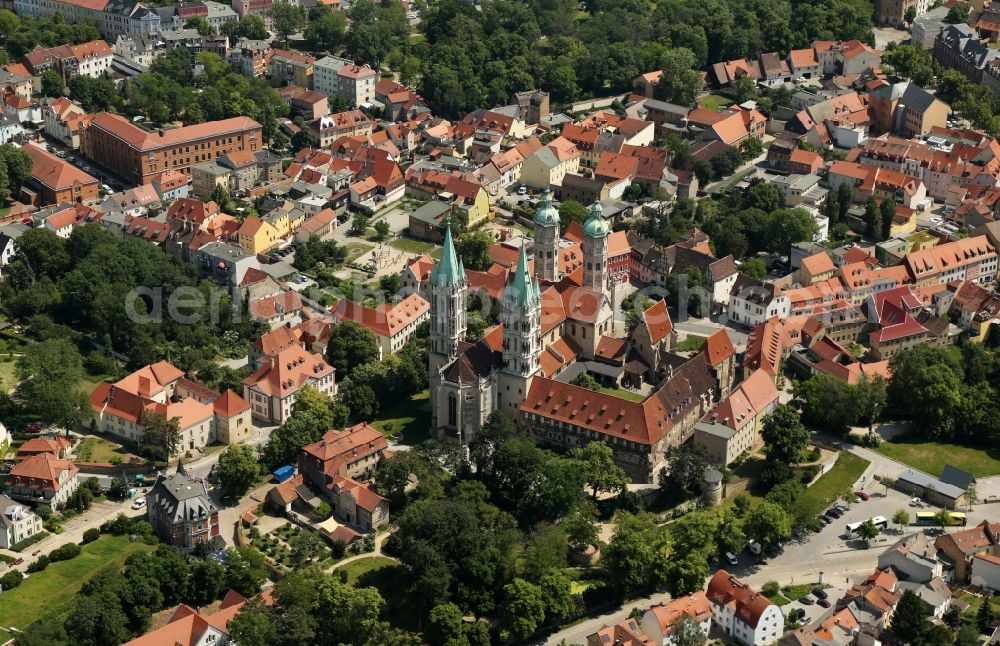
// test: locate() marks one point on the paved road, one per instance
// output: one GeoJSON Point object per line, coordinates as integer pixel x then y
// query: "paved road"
{"type": "Point", "coordinates": [96, 516]}
{"type": "Point", "coordinates": [827, 554]}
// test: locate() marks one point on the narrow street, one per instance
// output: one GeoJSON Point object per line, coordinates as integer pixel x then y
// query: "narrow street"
{"type": "Point", "coordinates": [97, 515]}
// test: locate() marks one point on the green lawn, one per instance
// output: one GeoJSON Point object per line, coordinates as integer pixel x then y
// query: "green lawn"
{"type": "Point", "coordinates": [848, 469]}
{"type": "Point", "coordinates": [88, 383]}
{"type": "Point", "coordinates": [357, 249]}
{"type": "Point", "coordinates": [974, 603]}
{"type": "Point", "coordinates": [778, 599]}
{"type": "Point", "coordinates": [411, 419]}
{"type": "Point", "coordinates": [411, 245]}
{"type": "Point", "coordinates": [714, 101]}
{"type": "Point", "coordinates": [798, 590]}
{"type": "Point", "coordinates": [7, 378]}
{"type": "Point", "coordinates": [356, 569]}
{"type": "Point", "coordinates": [48, 592]}
{"type": "Point", "coordinates": [930, 457]}
{"type": "Point", "coordinates": [98, 449]}
{"type": "Point", "coordinates": [691, 343]}
{"type": "Point", "coordinates": [622, 393]}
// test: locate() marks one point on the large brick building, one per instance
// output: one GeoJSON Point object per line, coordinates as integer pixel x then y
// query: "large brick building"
{"type": "Point", "coordinates": [139, 155]}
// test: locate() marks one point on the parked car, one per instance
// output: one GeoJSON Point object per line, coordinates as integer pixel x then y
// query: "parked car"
{"type": "Point", "coordinates": [915, 502]}
{"type": "Point", "coordinates": [523, 190]}
{"type": "Point", "coordinates": [753, 546]}
{"type": "Point", "coordinates": [823, 603]}
{"type": "Point", "coordinates": [826, 520]}
{"type": "Point", "coordinates": [139, 503]}
{"type": "Point", "coordinates": [806, 601]}
{"type": "Point", "coordinates": [842, 509]}
{"type": "Point", "coordinates": [862, 495]}
{"type": "Point", "coordinates": [833, 512]}
{"type": "Point", "coordinates": [731, 559]}
{"type": "Point", "coordinates": [820, 593]}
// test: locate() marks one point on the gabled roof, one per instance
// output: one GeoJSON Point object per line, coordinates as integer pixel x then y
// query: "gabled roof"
{"type": "Point", "coordinates": [657, 321]}
{"type": "Point", "coordinates": [718, 348]}
{"type": "Point", "coordinates": [54, 173]}
{"type": "Point", "coordinates": [385, 320]}
{"type": "Point", "coordinates": [724, 589]}
{"type": "Point", "coordinates": [337, 447]}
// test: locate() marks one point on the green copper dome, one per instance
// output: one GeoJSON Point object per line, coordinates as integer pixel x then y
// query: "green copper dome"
{"type": "Point", "coordinates": [547, 215]}
{"type": "Point", "coordinates": [596, 226]}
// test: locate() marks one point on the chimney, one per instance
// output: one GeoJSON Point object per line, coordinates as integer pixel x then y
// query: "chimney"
{"type": "Point", "coordinates": [160, 132]}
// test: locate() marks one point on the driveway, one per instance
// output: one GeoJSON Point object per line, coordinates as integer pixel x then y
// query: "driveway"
{"type": "Point", "coordinates": [98, 514]}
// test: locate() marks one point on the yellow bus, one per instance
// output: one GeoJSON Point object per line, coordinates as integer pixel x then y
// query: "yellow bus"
{"type": "Point", "coordinates": [955, 518]}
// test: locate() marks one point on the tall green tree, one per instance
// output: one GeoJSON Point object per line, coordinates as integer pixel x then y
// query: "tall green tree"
{"type": "Point", "coordinates": [768, 523]}
{"type": "Point", "coordinates": [52, 84]}
{"type": "Point", "coordinates": [350, 346]}
{"type": "Point", "coordinates": [601, 473]}
{"type": "Point", "coordinates": [238, 469]}
{"type": "Point", "coordinates": [871, 216]}
{"type": "Point", "coordinates": [845, 197]}
{"type": "Point", "coordinates": [287, 19]}
{"type": "Point", "coordinates": [784, 435]}
{"type": "Point", "coordinates": [887, 212]}
{"type": "Point", "coordinates": [50, 374]}
{"type": "Point", "coordinates": [639, 554]}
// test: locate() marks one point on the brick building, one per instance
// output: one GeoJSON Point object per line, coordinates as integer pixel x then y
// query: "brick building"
{"type": "Point", "coordinates": [140, 155]}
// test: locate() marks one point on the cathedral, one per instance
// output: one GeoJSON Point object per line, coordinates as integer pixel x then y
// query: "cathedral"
{"type": "Point", "coordinates": [556, 320]}
{"type": "Point", "coordinates": [548, 319]}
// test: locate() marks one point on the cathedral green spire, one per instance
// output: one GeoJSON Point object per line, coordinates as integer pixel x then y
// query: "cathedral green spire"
{"type": "Point", "coordinates": [523, 290]}
{"type": "Point", "coordinates": [449, 271]}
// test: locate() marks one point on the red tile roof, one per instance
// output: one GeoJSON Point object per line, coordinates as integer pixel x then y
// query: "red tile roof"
{"type": "Point", "coordinates": [123, 129]}
{"type": "Point", "coordinates": [230, 404]}
{"type": "Point", "coordinates": [385, 320]}
{"type": "Point", "coordinates": [718, 348]}
{"type": "Point", "coordinates": [273, 306]}
{"type": "Point", "coordinates": [42, 470]}
{"type": "Point", "coordinates": [288, 371]}
{"type": "Point", "coordinates": [36, 445]}
{"type": "Point", "coordinates": [54, 173]}
{"type": "Point", "coordinates": [725, 589]}
{"type": "Point", "coordinates": [657, 321]}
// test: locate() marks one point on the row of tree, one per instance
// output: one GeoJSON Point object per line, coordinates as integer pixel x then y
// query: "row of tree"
{"type": "Point", "coordinates": [471, 58]}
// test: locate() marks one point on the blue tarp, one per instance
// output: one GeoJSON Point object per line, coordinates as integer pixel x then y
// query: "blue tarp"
{"type": "Point", "coordinates": [284, 473]}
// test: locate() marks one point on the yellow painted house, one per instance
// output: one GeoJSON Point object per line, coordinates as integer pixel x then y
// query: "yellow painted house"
{"type": "Point", "coordinates": [470, 200]}
{"type": "Point", "coordinates": [257, 236]}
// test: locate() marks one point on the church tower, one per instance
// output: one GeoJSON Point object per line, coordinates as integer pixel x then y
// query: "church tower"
{"type": "Point", "coordinates": [547, 239]}
{"type": "Point", "coordinates": [595, 250]}
{"type": "Point", "coordinates": [448, 292]}
{"type": "Point", "coordinates": [521, 315]}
